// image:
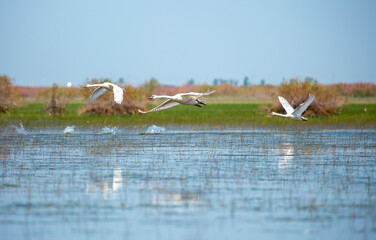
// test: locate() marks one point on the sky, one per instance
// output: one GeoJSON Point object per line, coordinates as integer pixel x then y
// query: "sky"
{"type": "Point", "coordinates": [46, 42]}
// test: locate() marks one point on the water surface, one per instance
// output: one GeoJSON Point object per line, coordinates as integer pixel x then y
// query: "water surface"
{"type": "Point", "coordinates": [188, 184]}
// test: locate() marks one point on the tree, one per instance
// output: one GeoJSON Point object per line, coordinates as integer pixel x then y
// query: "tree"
{"type": "Point", "coordinates": [56, 106]}
{"type": "Point", "coordinates": [191, 82]}
{"type": "Point", "coordinates": [246, 81]}
{"type": "Point", "coordinates": [262, 82]}
{"type": "Point", "coordinates": [151, 85]}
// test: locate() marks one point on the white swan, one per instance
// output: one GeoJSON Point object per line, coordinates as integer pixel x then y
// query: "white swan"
{"type": "Point", "coordinates": [181, 98]}
{"type": "Point", "coordinates": [102, 88]}
{"type": "Point", "coordinates": [294, 114]}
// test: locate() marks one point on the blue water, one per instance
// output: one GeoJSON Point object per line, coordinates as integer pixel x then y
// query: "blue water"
{"type": "Point", "coordinates": [188, 184]}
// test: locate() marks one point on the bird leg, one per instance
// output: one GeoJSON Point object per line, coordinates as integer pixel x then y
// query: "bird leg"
{"type": "Point", "coordinates": [201, 102]}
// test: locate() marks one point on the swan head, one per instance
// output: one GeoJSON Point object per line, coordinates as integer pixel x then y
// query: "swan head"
{"type": "Point", "coordinates": [304, 119]}
{"type": "Point", "coordinates": [152, 97]}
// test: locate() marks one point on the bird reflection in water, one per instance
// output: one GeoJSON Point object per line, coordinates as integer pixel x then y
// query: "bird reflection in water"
{"type": "Point", "coordinates": [175, 199]}
{"type": "Point", "coordinates": [107, 187]}
{"type": "Point", "coordinates": [286, 155]}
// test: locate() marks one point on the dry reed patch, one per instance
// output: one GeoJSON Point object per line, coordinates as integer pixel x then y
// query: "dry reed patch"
{"type": "Point", "coordinates": [9, 96]}
{"type": "Point", "coordinates": [127, 107]}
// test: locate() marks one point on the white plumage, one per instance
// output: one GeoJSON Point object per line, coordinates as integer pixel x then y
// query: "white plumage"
{"type": "Point", "coordinates": [294, 114]}
{"type": "Point", "coordinates": [102, 88]}
{"type": "Point", "coordinates": [190, 98]}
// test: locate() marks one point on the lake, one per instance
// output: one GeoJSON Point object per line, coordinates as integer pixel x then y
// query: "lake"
{"type": "Point", "coordinates": [188, 183]}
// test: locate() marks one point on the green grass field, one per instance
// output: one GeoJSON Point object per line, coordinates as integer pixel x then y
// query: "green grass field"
{"type": "Point", "coordinates": [213, 115]}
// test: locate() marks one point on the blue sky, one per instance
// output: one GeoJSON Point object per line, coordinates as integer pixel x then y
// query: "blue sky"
{"type": "Point", "coordinates": [43, 42]}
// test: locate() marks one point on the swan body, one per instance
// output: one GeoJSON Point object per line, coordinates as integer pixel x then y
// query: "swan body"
{"type": "Point", "coordinates": [292, 113]}
{"type": "Point", "coordinates": [102, 88]}
{"type": "Point", "coordinates": [190, 98]}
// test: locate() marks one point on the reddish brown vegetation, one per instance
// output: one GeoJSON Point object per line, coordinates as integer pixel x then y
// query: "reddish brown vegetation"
{"type": "Point", "coordinates": [356, 89]}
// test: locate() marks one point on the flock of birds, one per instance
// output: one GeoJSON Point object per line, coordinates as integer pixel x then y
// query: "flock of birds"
{"type": "Point", "coordinates": [191, 98]}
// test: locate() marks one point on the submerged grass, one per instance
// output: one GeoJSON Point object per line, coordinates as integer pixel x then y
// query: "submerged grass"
{"type": "Point", "coordinates": [212, 115]}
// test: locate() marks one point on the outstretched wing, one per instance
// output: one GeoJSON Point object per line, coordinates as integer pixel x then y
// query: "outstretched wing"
{"type": "Point", "coordinates": [196, 94]}
{"type": "Point", "coordinates": [97, 92]}
{"type": "Point", "coordinates": [302, 107]}
{"type": "Point", "coordinates": [118, 94]}
{"type": "Point", "coordinates": [167, 104]}
{"type": "Point", "coordinates": [286, 105]}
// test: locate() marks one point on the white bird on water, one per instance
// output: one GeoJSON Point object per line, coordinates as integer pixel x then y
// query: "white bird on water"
{"type": "Point", "coordinates": [102, 88]}
{"type": "Point", "coordinates": [180, 98]}
{"type": "Point", "coordinates": [294, 114]}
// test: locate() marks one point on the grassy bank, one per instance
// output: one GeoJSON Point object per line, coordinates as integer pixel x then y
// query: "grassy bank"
{"type": "Point", "coordinates": [213, 115]}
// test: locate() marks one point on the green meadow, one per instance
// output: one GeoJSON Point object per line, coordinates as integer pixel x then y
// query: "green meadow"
{"type": "Point", "coordinates": [212, 115]}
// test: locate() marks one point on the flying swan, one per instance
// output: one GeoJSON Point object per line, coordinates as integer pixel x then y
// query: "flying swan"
{"type": "Point", "coordinates": [102, 88]}
{"type": "Point", "coordinates": [180, 98]}
{"type": "Point", "coordinates": [294, 114]}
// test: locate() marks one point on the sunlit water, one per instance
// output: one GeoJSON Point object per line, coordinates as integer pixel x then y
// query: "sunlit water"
{"type": "Point", "coordinates": [188, 184]}
{"type": "Point", "coordinates": [69, 130]}
{"type": "Point", "coordinates": [107, 130]}
{"type": "Point", "coordinates": [154, 129]}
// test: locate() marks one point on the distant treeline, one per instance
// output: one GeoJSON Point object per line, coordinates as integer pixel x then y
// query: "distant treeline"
{"type": "Point", "coordinates": [223, 87]}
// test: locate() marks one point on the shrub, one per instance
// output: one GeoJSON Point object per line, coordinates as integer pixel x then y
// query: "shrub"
{"type": "Point", "coordinates": [127, 107]}
{"type": "Point", "coordinates": [296, 91]}
{"type": "Point", "coordinates": [56, 104]}
{"type": "Point", "coordinates": [9, 96]}
{"type": "Point", "coordinates": [150, 86]}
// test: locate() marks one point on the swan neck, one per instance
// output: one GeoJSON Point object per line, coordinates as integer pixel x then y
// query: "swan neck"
{"type": "Point", "coordinates": [278, 114]}
{"type": "Point", "coordinates": [163, 96]}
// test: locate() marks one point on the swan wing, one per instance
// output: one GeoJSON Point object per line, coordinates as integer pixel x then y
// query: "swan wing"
{"type": "Point", "coordinates": [196, 94]}
{"type": "Point", "coordinates": [97, 92]}
{"type": "Point", "coordinates": [286, 105]}
{"type": "Point", "coordinates": [302, 107]}
{"type": "Point", "coordinates": [118, 94]}
{"type": "Point", "coordinates": [167, 104]}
